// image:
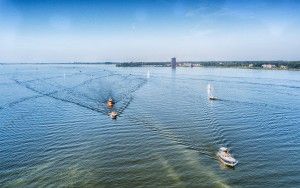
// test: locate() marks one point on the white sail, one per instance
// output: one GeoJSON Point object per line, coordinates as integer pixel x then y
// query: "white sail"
{"type": "Point", "coordinates": [209, 90]}
{"type": "Point", "coordinates": [148, 74]}
{"type": "Point", "coordinates": [210, 93]}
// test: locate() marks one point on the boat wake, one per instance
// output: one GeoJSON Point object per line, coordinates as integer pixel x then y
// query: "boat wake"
{"type": "Point", "coordinates": [150, 123]}
{"type": "Point", "coordinates": [90, 91]}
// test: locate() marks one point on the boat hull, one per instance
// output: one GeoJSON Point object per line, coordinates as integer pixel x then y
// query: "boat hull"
{"type": "Point", "coordinates": [110, 105]}
{"type": "Point", "coordinates": [228, 161]}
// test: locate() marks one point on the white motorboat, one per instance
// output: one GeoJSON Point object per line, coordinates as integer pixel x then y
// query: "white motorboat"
{"type": "Point", "coordinates": [113, 115]}
{"type": "Point", "coordinates": [226, 158]}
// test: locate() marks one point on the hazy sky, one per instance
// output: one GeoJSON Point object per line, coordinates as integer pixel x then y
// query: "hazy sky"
{"type": "Point", "coordinates": [141, 30]}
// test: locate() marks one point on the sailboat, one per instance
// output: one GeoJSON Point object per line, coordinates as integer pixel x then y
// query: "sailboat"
{"type": "Point", "coordinates": [148, 74]}
{"type": "Point", "coordinates": [210, 93]}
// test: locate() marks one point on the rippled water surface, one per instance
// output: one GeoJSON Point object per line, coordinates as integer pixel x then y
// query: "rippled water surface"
{"type": "Point", "coordinates": [55, 130]}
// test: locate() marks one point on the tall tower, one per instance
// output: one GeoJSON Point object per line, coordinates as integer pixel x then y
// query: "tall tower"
{"type": "Point", "coordinates": [173, 63]}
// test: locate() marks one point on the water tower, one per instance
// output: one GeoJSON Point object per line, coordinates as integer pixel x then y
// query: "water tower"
{"type": "Point", "coordinates": [173, 63]}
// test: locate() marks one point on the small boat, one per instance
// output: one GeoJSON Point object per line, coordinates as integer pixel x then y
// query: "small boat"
{"type": "Point", "coordinates": [226, 158]}
{"type": "Point", "coordinates": [110, 103]}
{"type": "Point", "coordinates": [113, 115]}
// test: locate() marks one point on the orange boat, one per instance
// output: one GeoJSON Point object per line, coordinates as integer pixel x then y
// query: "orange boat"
{"type": "Point", "coordinates": [110, 103]}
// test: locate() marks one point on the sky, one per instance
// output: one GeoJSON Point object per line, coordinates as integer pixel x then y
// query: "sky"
{"type": "Point", "coordinates": [148, 30]}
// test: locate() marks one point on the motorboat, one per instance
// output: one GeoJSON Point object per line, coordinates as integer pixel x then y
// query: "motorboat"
{"type": "Point", "coordinates": [226, 158]}
{"type": "Point", "coordinates": [110, 103]}
{"type": "Point", "coordinates": [113, 115]}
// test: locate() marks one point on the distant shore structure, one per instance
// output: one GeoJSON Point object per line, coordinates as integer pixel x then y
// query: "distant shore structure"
{"type": "Point", "coordinates": [173, 62]}
{"type": "Point", "coordinates": [267, 65]}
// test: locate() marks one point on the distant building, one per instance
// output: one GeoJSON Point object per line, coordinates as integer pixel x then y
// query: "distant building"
{"type": "Point", "coordinates": [251, 65]}
{"type": "Point", "coordinates": [173, 63]}
{"type": "Point", "coordinates": [268, 66]}
{"type": "Point", "coordinates": [283, 67]}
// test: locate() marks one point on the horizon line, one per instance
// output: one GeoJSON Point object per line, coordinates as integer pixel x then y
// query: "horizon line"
{"type": "Point", "coordinates": [116, 62]}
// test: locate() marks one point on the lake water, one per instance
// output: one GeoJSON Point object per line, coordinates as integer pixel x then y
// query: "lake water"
{"type": "Point", "coordinates": [55, 130]}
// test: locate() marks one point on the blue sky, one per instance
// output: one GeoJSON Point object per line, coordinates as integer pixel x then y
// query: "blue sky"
{"type": "Point", "coordinates": [132, 30]}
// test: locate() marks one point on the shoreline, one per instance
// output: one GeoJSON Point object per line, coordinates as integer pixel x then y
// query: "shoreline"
{"type": "Point", "coordinates": [166, 64]}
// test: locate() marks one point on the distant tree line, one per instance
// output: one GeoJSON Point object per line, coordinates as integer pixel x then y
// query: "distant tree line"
{"type": "Point", "coordinates": [246, 64]}
{"type": "Point", "coordinates": [141, 64]}
{"type": "Point", "coordinates": [254, 64]}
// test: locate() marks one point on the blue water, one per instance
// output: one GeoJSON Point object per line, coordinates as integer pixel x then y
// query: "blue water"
{"type": "Point", "coordinates": [55, 130]}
